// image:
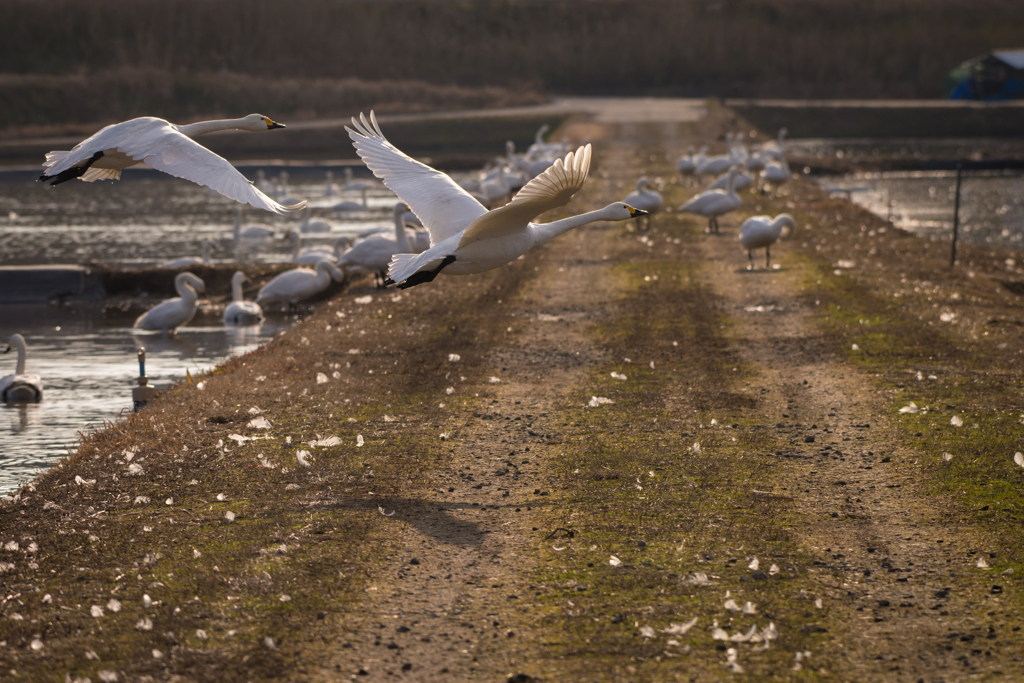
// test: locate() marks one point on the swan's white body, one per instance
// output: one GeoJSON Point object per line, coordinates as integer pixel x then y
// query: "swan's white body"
{"type": "Point", "coordinates": [21, 386]}
{"type": "Point", "coordinates": [742, 181]}
{"type": "Point", "coordinates": [373, 254]}
{"type": "Point", "coordinates": [187, 261]}
{"type": "Point", "coordinates": [252, 231]}
{"type": "Point", "coordinates": [299, 284]}
{"type": "Point", "coordinates": [713, 203]}
{"type": "Point", "coordinates": [169, 315]}
{"type": "Point", "coordinates": [761, 232]}
{"type": "Point", "coordinates": [464, 236]}
{"type": "Point", "coordinates": [330, 187]}
{"type": "Point", "coordinates": [777, 172]}
{"type": "Point", "coordinates": [773, 149]}
{"type": "Point", "coordinates": [647, 200]}
{"type": "Point", "coordinates": [310, 224]}
{"type": "Point", "coordinates": [719, 163]}
{"type": "Point", "coordinates": [240, 311]}
{"type": "Point", "coordinates": [313, 255]}
{"type": "Point", "coordinates": [349, 205]}
{"type": "Point", "coordinates": [166, 147]}
{"type": "Point", "coordinates": [687, 163]}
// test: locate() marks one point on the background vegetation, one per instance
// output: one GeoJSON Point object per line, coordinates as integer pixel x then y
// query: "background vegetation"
{"type": "Point", "coordinates": [739, 48]}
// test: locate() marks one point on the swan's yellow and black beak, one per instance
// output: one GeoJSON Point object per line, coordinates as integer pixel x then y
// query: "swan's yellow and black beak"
{"type": "Point", "coordinates": [273, 124]}
{"type": "Point", "coordinates": [635, 213]}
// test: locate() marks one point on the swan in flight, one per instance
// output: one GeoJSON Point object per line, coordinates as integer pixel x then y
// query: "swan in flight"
{"type": "Point", "coordinates": [310, 224]}
{"type": "Point", "coordinates": [20, 387]}
{"type": "Point", "coordinates": [464, 236]}
{"type": "Point", "coordinates": [647, 200]}
{"type": "Point", "coordinates": [713, 203]}
{"type": "Point", "coordinates": [169, 315]}
{"type": "Point", "coordinates": [166, 147]}
{"type": "Point", "coordinates": [187, 261]}
{"type": "Point", "coordinates": [764, 231]}
{"type": "Point", "coordinates": [373, 254]}
{"type": "Point", "coordinates": [240, 311]}
{"type": "Point", "coordinates": [293, 286]}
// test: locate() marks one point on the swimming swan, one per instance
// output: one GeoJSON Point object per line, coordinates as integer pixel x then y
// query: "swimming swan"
{"type": "Point", "coordinates": [169, 315]}
{"type": "Point", "coordinates": [20, 387]}
{"type": "Point", "coordinates": [373, 254]}
{"type": "Point", "coordinates": [313, 255]}
{"type": "Point", "coordinates": [187, 261]}
{"type": "Point", "coordinates": [252, 231]}
{"type": "Point", "coordinates": [310, 224]}
{"type": "Point", "coordinates": [299, 284]}
{"type": "Point", "coordinates": [647, 200]}
{"type": "Point", "coordinates": [464, 236]}
{"type": "Point", "coordinates": [763, 231]}
{"type": "Point", "coordinates": [240, 311]}
{"type": "Point", "coordinates": [166, 147]}
{"type": "Point", "coordinates": [713, 203]}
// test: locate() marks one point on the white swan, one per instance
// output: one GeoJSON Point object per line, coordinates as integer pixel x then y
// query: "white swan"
{"type": "Point", "coordinates": [777, 172]}
{"type": "Point", "coordinates": [763, 231]}
{"type": "Point", "coordinates": [465, 237]}
{"type": "Point", "coordinates": [772, 149]}
{"type": "Point", "coordinates": [349, 205]}
{"type": "Point", "coordinates": [373, 254]}
{"type": "Point", "coordinates": [495, 190]}
{"type": "Point", "coordinates": [713, 203]}
{"type": "Point", "coordinates": [166, 147]}
{"type": "Point", "coordinates": [742, 181]}
{"type": "Point", "coordinates": [169, 315]}
{"type": "Point", "coordinates": [687, 163]}
{"type": "Point", "coordinates": [240, 311]}
{"type": "Point", "coordinates": [313, 255]}
{"type": "Point", "coordinates": [187, 261]}
{"type": "Point", "coordinates": [310, 224]}
{"type": "Point", "coordinates": [717, 164]}
{"type": "Point", "coordinates": [21, 386]}
{"type": "Point", "coordinates": [299, 284]}
{"type": "Point", "coordinates": [251, 231]}
{"type": "Point", "coordinates": [330, 187]}
{"type": "Point", "coordinates": [647, 200]}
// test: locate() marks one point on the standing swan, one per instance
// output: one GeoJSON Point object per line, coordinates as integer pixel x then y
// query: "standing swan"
{"type": "Point", "coordinates": [464, 236]}
{"type": "Point", "coordinates": [169, 315]}
{"type": "Point", "coordinates": [293, 286]}
{"type": "Point", "coordinates": [166, 147]}
{"type": "Point", "coordinates": [373, 254]}
{"type": "Point", "coordinates": [240, 311]}
{"type": "Point", "coordinates": [20, 387]}
{"type": "Point", "coordinates": [763, 231]}
{"type": "Point", "coordinates": [713, 203]}
{"type": "Point", "coordinates": [647, 200]}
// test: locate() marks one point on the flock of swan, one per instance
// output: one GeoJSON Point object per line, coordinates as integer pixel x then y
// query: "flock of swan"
{"type": "Point", "coordinates": [457, 229]}
{"type": "Point", "coordinates": [733, 170]}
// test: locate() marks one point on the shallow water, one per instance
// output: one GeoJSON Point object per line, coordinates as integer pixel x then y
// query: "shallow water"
{"type": "Point", "coordinates": [88, 366]}
{"type": "Point", "coordinates": [991, 203]}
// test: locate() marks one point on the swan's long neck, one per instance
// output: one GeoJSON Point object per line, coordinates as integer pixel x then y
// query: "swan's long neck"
{"type": "Point", "coordinates": [203, 127]}
{"type": "Point", "coordinates": [236, 290]}
{"type": "Point", "coordinates": [295, 245]}
{"type": "Point", "coordinates": [401, 236]}
{"type": "Point", "coordinates": [323, 274]}
{"type": "Point", "coordinates": [365, 205]}
{"type": "Point", "coordinates": [189, 296]}
{"type": "Point", "coordinates": [236, 233]}
{"type": "Point", "coordinates": [779, 223]}
{"type": "Point", "coordinates": [545, 232]}
{"type": "Point", "coordinates": [206, 251]}
{"type": "Point", "coordinates": [19, 368]}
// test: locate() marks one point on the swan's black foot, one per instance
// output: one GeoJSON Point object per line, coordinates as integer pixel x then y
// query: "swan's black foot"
{"type": "Point", "coordinates": [72, 173]}
{"type": "Point", "coordinates": [418, 278]}
{"type": "Point", "coordinates": [389, 282]}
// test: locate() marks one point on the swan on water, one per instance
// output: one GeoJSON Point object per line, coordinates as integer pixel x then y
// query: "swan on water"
{"type": "Point", "coordinates": [284, 193]}
{"type": "Point", "coordinates": [373, 254]}
{"type": "Point", "coordinates": [169, 315]}
{"type": "Point", "coordinates": [647, 200]}
{"type": "Point", "coordinates": [313, 255]}
{"type": "Point", "coordinates": [349, 205]}
{"type": "Point", "coordinates": [330, 187]}
{"type": "Point", "coordinates": [240, 311]}
{"type": "Point", "coordinates": [187, 261]}
{"type": "Point", "coordinates": [464, 236]}
{"type": "Point", "coordinates": [299, 284]}
{"type": "Point", "coordinates": [310, 224]}
{"type": "Point", "coordinates": [713, 203]}
{"type": "Point", "coordinates": [763, 231]}
{"type": "Point", "coordinates": [20, 387]}
{"type": "Point", "coordinates": [166, 147]}
{"type": "Point", "coordinates": [250, 231]}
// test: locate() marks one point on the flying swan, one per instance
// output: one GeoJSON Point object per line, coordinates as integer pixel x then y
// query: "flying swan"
{"type": "Point", "coordinates": [464, 236]}
{"type": "Point", "coordinates": [20, 387]}
{"type": "Point", "coordinates": [166, 147]}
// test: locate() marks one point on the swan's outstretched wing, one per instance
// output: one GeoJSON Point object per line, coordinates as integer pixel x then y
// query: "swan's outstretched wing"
{"type": "Point", "coordinates": [162, 146]}
{"type": "Point", "coordinates": [551, 189]}
{"type": "Point", "coordinates": [444, 208]}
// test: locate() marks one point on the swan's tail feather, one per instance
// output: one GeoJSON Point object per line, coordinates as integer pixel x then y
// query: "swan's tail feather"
{"type": "Point", "coordinates": [101, 174]}
{"type": "Point", "coordinates": [54, 157]}
{"type": "Point", "coordinates": [403, 266]}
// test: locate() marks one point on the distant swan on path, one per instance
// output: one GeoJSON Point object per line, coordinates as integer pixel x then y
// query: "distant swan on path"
{"type": "Point", "coordinates": [647, 200]}
{"type": "Point", "coordinates": [713, 203]}
{"type": "Point", "coordinates": [240, 311]}
{"type": "Point", "coordinates": [763, 231]}
{"type": "Point", "coordinates": [373, 254]}
{"type": "Point", "coordinates": [465, 237]}
{"type": "Point", "coordinates": [171, 314]}
{"type": "Point", "coordinates": [166, 147]}
{"type": "Point", "coordinates": [20, 387]}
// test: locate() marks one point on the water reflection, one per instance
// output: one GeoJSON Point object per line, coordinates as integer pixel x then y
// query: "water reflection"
{"type": "Point", "coordinates": [88, 365]}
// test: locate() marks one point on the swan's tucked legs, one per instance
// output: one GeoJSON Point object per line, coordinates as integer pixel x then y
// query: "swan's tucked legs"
{"type": "Point", "coordinates": [767, 257]}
